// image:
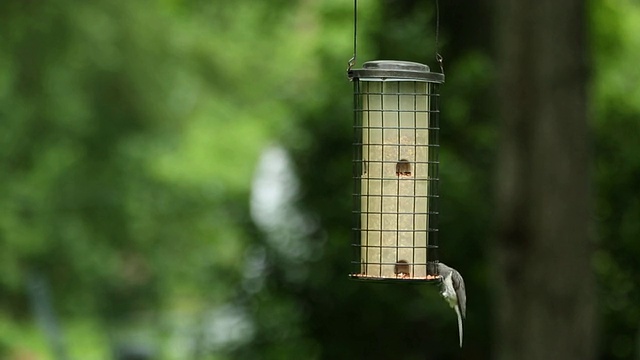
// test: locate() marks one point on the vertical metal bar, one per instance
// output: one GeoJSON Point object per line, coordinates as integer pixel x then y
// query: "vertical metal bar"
{"type": "Point", "coordinates": [414, 174]}
{"type": "Point", "coordinates": [382, 202]}
{"type": "Point", "coordinates": [398, 177]}
{"type": "Point", "coordinates": [357, 174]}
{"type": "Point", "coordinates": [434, 128]}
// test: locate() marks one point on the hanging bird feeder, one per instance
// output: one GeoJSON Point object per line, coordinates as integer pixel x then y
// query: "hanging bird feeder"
{"type": "Point", "coordinates": [395, 169]}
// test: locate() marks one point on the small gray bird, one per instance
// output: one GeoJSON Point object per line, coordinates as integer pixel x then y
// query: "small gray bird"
{"type": "Point", "coordinates": [454, 293]}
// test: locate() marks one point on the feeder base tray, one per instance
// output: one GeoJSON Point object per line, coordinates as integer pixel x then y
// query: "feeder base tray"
{"type": "Point", "coordinates": [400, 278]}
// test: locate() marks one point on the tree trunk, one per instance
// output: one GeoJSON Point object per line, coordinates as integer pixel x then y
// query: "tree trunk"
{"type": "Point", "coordinates": [545, 286]}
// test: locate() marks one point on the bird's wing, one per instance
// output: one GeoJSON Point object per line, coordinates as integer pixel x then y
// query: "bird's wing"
{"type": "Point", "coordinates": [458, 285]}
{"type": "Point", "coordinates": [459, 324]}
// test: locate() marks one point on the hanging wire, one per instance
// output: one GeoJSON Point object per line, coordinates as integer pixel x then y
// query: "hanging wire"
{"type": "Point", "coordinates": [439, 57]}
{"type": "Point", "coordinates": [352, 61]}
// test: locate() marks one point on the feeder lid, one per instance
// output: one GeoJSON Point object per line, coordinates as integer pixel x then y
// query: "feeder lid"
{"type": "Point", "coordinates": [395, 70]}
{"type": "Point", "coordinates": [396, 65]}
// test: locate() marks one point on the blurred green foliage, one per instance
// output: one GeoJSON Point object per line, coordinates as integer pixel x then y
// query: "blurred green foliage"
{"type": "Point", "coordinates": [132, 133]}
{"type": "Point", "coordinates": [616, 173]}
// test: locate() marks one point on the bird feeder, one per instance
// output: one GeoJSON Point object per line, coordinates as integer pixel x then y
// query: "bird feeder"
{"type": "Point", "coordinates": [395, 171]}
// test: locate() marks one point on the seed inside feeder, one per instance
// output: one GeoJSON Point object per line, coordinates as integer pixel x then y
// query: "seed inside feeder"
{"type": "Point", "coordinates": [403, 168]}
{"type": "Point", "coordinates": [401, 269]}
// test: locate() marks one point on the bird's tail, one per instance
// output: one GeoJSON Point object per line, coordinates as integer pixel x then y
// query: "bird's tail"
{"type": "Point", "coordinates": [457, 308]}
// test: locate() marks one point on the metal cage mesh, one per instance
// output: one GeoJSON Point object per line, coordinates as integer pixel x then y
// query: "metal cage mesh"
{"type": "Point", "coordinates": [395, 179]}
